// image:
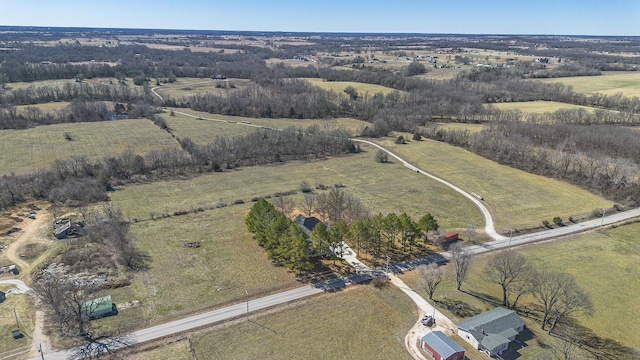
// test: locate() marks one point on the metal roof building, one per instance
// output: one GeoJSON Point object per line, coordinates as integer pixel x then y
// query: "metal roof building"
{"type": "Point", "coordinates": [441, 347]}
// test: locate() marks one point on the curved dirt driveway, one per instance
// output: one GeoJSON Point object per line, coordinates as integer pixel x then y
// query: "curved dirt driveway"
{"type": "Point", "coordinates": [489, 228]}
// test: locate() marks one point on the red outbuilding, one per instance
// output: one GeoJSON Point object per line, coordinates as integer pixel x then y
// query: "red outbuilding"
{"type": "Point", "coordinates": [450, 237]}
{"type": "Point", "coordinates": [441, 347]}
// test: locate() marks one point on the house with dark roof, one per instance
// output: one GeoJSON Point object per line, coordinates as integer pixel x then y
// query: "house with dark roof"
{"type": "Point", "coordinates": [492, 331]}
{"type": "Point", "coordinates": [307, 223]}
{"type": "Point", "coordinates": [441, 347]}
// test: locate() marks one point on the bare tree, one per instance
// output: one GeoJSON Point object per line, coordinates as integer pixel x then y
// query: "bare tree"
{"type": "Point", "coordinates": [430, 277]}
{"type": "Point", "coordinates": [284, 204]}
{"type": "Point", "coordinates": [308, 204]}
{"type": "Point", "coordinates": [461, 258]}
{"type": "Point", "coordinates": [511, 271]}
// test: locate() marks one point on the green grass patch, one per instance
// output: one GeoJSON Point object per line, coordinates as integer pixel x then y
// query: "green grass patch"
{"type": "Point", "coordinates": [204, 131]}
{"type": "Point", "coordinates": [509, 193]}
{"type": "Point", "coordinates": [460, 126]}
{"type": "Point", "coordinates": [339, 86]}
{"type": "Point", "coordinates": [609, 83]}
{"type": "Point", "coordinates": [360, 323]}
{"type": "Point", "coordinates": [538, 107]}
{"type": "Point", "coordinates": [381, 188]}
{"type": "Point", "coordinates": [185, 87]}
{"type": "Point", "coordinates": [30, 149]}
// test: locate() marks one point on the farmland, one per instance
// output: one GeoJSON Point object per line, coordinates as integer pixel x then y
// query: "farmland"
{"type": "Point", "coordinates": [202, 131]}
{"type": "Point", "coordinates": [538, 107]}
{"type": "Point", "coordinates": [339, 86]}
{"type": "Point", "coordinates": [30, 149]}
{"type": "Point", "coordinates": [610, 278]}
{"type": "Point", "coordinates": [513, 196]}
{"type": "Point", "coordinates": [185, 87]}
{"type": "Point", "coordinates": [378, 189]}
{"type": "Point", "coordinates": [610, 83]}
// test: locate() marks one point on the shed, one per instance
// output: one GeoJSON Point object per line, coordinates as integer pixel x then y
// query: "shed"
{"type": "Point", "coordinates": [441, 347]}
{"type": "Point", "coordinates": [98, 308]}
{"type": "Point", "coordinates": [450, 237]}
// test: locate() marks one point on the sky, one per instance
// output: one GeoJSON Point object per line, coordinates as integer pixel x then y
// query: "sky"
{"type": "Point", "coordinates": [559, 17]}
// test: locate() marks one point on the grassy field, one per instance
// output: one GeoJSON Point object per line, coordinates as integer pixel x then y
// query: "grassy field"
{"type": "Point", "coordinates": [203, 131]}
{"type": "Point", "coordinates": [461, 126]}
{"type": "Point", "coordinates": [538, 107]}
{"type": "Point", "coordinates": [46, 106]}
{"type": "Point", "coordinates": [379, 187]}
{"type": "Point", "coordinates": [21, 303]}
{"type": "Point", "coordinates": [184, 87]}
{"type": "Point", "coordinates": [610, 83]}
{"type": "Point", "coordinates": [512, 196]}
{"type": "Point", "coordinates": [359, 323]}
{"type": "Point", "coordinates": [26, 150]}
{"type": "Point", "coordinates": [605, 263]}
{"type": "Point", "coordinates": [339, 86]}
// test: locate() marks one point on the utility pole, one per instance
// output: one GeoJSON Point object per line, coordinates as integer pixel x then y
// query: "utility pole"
{"type": "Point", "coordinates": [247, 293]}
{"type": "Point", "coordinates": [510, 236]}
{"type": "Point", "coordinates": [604, 211]}
{"type": "Point", "coordinates": [40, 351]}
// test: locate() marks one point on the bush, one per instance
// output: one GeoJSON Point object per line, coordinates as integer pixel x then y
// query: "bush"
{"type": "Point", "coordinates": [417, 136]}
{"type": "Point", "coordinates": [305, 187]}
{"type": "Point", "coordinates": [400, 140]}
{"type": "Point", "coordinates": [557, 220]}
{"type": "Point", "coordinates": [382, 157]}
{"type": "Point", "coordinates": [545, 223]}
{"type": "Point", "coordinates": [380, 281]}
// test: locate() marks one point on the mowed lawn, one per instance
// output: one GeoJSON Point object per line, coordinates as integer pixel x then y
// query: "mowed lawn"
{"type": "Point", "coordinates": [605, 263]}
{"type": "Point", "coordinates": [513, 196]}
{"type": "Point", "coordinates": [609, 83]}
{"type": "Point", "coordinates": [380, 187]}
{"type": "Point", "coordinates": [339, 86]}
{"type": "Point", "coordinates": [358, 323]}
{"type": "Point", "coordinates": [538, 107]}
{"type": "Point", "coordinates": [206, 128]}
{"type": "Point", "coordinates": [30, 149]}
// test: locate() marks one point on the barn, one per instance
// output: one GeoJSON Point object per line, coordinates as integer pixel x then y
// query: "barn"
{"type": "Point", "coordinates": [441, 347]}
{"type": "Point", "coordinates": [449, 237]}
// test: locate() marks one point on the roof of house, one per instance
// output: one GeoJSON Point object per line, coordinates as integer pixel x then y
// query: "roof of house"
{"type": "Point", "coordinates": [442, 344]}
{"type": "Point", "coordinates": [494, 327]}
{"type": "Point", "coordinates": [306, 223]}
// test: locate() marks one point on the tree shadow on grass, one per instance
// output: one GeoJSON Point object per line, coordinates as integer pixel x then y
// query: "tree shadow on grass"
{"type": "Point", "coordinates": [488, 299]}
{"type": "Point", "coordinates": [598, 347]}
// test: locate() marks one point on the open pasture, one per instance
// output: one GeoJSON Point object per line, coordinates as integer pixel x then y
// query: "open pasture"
{"type": "Point", "coordinates": [204, 130]}
{"type": "Point", "coordinates": [514, 197]}
{"type": "Point", "coordinates": [537, 107]}
{"type": "Point", "coordinates": [359, 323]}
{"type": "Point", "coordinates": [381, 188]}
{"type": "Point", "coordinates": [184, 87]}
{"type": "Point", "coordinates": [339, 86]}
{"type": "Point", "coordinates": [609, 83]}
{"type": "Point", "coordinates": [21, 304]}
{"type": "Point", "coordinates": [30, 149]}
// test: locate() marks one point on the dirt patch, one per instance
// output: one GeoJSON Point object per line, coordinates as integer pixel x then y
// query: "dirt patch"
{"type": "Point", "coordinates": [31, 251]}
{"type": "Point", "coordinates": [6, 224]}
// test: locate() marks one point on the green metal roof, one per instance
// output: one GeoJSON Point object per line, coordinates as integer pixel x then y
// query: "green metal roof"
{"type": "Point", "coordinates": [97, 306]}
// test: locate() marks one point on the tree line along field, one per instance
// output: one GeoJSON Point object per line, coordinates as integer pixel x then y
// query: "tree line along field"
{"type": "Point", "coordinates": [31, 149]}
{"type": "Point", "coordinates": [609, 83]}
{"type": "Point", "coordinates": [603, 262]}
{"type": "Point", "coordinates": [538, 107]}
{"type": "Point", "coordinates": [515, 198]}
{"type": "Point", "coordinates": [339, 86]}
{"type": "Point", "coordinates": [202, 130]}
